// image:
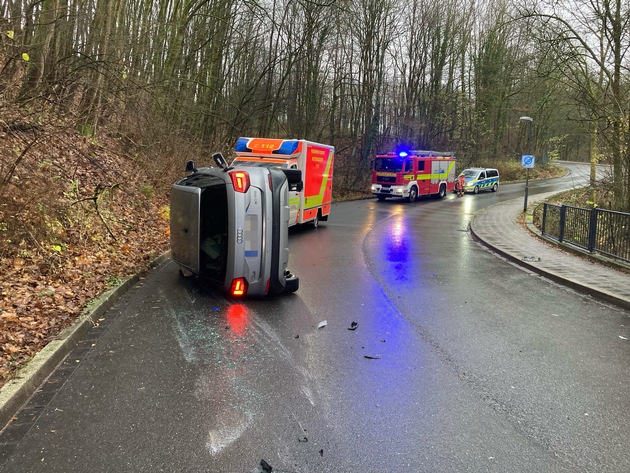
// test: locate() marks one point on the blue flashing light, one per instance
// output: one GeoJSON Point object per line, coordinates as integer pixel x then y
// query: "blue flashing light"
{"type": "Point", "coordinates": [288, 147]}
{"type": "Point", "coordinates": [241, 145]}
{"type": "Point", "coordinates": [403, 154]}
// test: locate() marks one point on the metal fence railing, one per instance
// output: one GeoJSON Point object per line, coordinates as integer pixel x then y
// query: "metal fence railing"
{"type": "Point", "coordinates": [604, 231]}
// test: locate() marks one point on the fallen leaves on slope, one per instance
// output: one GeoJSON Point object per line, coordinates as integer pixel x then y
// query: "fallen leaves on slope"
{"type": "Point", "coordinates": [76, 217]}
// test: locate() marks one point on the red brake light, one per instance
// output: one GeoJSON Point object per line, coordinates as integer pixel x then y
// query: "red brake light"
{"type": "Point", "coordinates": [239, 287]}
{"type": "Point", "coordinates": [240, 180]}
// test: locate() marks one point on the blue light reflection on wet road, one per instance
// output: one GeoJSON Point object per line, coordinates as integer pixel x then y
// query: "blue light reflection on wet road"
{"type": "Point", "coordinates": [395, 246]}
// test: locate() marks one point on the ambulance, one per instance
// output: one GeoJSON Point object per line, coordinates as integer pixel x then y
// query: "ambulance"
{"type": "Point", "coordinates": [315, 160]}
{"type": "Point", "coordinates": [410, 174]}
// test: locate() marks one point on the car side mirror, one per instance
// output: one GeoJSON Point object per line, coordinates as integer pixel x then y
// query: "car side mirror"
{"type": "Point", "coordinates": [190, 167]}
{"type": "Point", "coordinates": [220, 160]}
{"type": "Point", "coordinates": [294, 177]}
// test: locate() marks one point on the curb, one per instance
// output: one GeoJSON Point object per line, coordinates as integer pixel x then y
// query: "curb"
{"type": "Point", "coordinates": [580, 287]}
{"type": "Point", "coordinates": [18, 390]}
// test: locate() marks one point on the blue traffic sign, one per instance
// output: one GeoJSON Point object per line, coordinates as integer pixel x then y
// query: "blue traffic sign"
{"type": "Point", "coordinates": [527, 161]}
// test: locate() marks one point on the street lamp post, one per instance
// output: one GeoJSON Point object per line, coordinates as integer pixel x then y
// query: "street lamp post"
{"type": "Point", "coordinates": [529, 144]}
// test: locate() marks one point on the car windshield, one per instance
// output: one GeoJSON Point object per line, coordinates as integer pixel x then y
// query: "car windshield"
{"type": "Point", "coordinates": [388, 164]}
{"type": "Point", "coordinates": [469, 173]}
{"type": "Point", "coordinates": [214, 231]}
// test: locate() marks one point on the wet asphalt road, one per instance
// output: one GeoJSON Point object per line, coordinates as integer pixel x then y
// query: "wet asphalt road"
{"type": "Point", "coordinates": [460, 362]}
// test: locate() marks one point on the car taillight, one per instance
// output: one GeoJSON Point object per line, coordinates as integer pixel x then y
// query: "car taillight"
{"type": "Point", "coordinates": [240, 180]}
{"type": "Point", "coordinates": [239, 287]}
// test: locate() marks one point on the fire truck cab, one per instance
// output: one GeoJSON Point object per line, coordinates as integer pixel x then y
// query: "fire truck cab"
{"type": "Point", "coordinates": [410, 174]}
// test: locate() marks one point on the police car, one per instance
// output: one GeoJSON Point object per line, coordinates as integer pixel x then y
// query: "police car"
{"type": "Point", "coordinates": [479, 179]}
{"type": "Point", "coordinates": [229, 225]}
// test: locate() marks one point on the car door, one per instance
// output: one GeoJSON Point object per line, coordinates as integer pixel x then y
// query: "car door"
{"type": "Point", "coordinates": [482, 180]}
{"type": "Point", "coordinates": [424, 176]}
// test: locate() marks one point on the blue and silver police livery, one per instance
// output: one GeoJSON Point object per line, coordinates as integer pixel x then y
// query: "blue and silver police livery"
{"type": "Point", "coordinates": [480, 179]}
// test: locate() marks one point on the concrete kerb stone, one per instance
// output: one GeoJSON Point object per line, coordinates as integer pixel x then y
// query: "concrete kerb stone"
{"type": "Point", "coordinates": [535, 233]}
{"type": "Point", "coordinates": [29, 378]}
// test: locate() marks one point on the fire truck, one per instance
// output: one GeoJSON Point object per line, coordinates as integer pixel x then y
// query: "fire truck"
{"type": "Point", "coordinates": [410, 174]}
{"type": "Point", "coordinates": [315, 160]}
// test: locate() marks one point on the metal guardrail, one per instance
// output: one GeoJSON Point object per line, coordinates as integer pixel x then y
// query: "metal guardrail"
{"type": "Point", "coordinates": [595, 230]}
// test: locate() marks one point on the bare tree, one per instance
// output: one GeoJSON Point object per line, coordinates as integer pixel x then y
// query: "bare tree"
{"type": "Point", "coordinates": [591, 40]}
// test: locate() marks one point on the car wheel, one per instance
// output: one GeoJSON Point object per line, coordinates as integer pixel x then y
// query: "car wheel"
{"type": "Point", "coordinates": [381, 197]}
{"type": "Point", "coordinates": [476, 191]}
{"type": "Point", "coordinates": [292, 283]}
{"type": "Point", "coordinates": [413, 194]}
{"type": "Point", "coordinates": [495, 188]}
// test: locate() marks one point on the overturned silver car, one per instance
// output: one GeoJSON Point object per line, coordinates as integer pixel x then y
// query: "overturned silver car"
{"type": "Point", "coordinates": [229, 225]}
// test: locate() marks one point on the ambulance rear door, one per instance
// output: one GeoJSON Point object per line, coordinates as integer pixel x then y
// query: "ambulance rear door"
{"type": "Point", "coordinates": [316, 163]}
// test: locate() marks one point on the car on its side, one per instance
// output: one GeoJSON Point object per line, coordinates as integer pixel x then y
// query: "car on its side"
{"type": "Point", "coordinates": [480, 179]}
{"type": "Point", "coordinates": [229, 225]}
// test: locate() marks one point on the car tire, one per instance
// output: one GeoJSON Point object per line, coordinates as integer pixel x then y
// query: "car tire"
{"type": "Point", "coordinates": [292, 283]}
{"type": "Point", "coordinates": [413, 194]}
{"type": "Point", "coordinates": [495, 188]}
{"type": "Point", "coordinates": [476, 191]}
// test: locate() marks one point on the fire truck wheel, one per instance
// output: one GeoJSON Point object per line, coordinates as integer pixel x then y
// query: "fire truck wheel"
{"type": "Point", "coordinates": [476, 190]}
{"type": "Point", "coordinates": [413, 194]}
{"type": "Point", "coordinates": [442, 192]}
